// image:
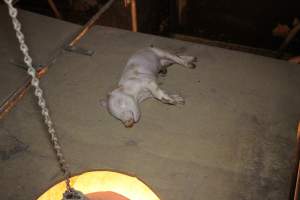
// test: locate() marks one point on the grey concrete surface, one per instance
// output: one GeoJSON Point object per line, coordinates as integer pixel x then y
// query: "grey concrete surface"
{"type": "Point", "coordinates": [45, 38]}
{"type": "Point", "coordinates": [233, 140]}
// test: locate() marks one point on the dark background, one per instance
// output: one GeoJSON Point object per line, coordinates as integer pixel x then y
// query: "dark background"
{"type": "Point", "coordinates": [241, 22]}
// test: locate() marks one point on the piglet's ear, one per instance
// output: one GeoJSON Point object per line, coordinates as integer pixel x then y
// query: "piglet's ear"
{"type": "Point", "coordinates": [103, 103]}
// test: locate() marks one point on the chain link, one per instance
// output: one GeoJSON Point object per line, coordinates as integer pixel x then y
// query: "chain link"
{"type": "Point", "coordinates": [39, 94]}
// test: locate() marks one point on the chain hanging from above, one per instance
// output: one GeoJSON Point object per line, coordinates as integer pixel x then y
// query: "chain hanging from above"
{"type": "Point", "coordinates": [71, 193]}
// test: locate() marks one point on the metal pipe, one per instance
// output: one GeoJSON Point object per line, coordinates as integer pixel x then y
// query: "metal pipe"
{"type": "Point", "coordinates": [54, 9]}
{"type": "Point", "coordinates": [20, 92]}
{"type": "Point", "coordinates": [134, 21]}
{"type": "Point", "coordinates": [90, 23]}
{"type": "Point", "coordinates": [290, 37]}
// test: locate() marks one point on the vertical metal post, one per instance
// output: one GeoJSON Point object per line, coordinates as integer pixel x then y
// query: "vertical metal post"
{"type": "Point", "coordinates": [134, 22]}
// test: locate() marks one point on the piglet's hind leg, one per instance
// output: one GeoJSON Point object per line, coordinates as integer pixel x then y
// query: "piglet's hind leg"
{"type": "Point", "coordinates": [186, 61]}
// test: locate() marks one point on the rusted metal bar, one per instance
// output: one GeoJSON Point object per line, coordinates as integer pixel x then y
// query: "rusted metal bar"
{"type": "Point", "coordinates": [133, 12]}
{"type": "Point", "coordinates": [90, 23]}
{"type": "Point", "coordinates": [297, 184]}
{"type": "Point", "coordinates": [134, 21]}
{"type": "Point", "coordinates": [19, 93]}
{"type": "Point", "coordinates": [290, 37]}
{"type": "Point", "coordinates": [54, 9]}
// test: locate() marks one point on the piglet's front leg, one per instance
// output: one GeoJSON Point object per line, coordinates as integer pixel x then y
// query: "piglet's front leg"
{"type": "Point", "coordinates": [161, 95]}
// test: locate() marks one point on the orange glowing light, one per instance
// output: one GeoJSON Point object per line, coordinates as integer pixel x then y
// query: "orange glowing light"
{"type": "Point", "coordinates": [100, 183]}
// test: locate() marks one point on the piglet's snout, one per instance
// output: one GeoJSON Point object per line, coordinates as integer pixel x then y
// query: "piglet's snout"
{"type": "Point", "coordinates": [129, 123]}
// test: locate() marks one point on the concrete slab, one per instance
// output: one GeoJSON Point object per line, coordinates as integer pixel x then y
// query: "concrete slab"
{"type": "Point", "coordinates": [43, 35]}
{"type": "Point", "coordinates": [234, 139]}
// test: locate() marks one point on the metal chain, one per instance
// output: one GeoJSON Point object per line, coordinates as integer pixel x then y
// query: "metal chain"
{"type": "Point", "coordinates": [39, 94]}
